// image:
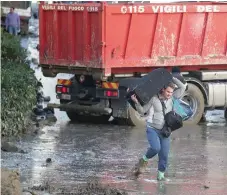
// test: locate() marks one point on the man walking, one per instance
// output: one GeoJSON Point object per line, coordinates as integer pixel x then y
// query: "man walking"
{"type": "Point", "coordinates": [159, 144]}
{"type": "Point", "coordinates": [12, 22]}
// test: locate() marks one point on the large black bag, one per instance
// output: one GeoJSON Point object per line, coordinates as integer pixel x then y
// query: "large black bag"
{"type": "Point", "coordinates": [152, 84]}
{"type": "Point", "coordinates": [146, 87]}
{"type": "Point", "coordinates": [173, 121]}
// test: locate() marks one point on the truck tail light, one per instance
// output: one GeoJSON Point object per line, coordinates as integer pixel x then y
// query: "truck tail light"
{"type": "Point", "coordinates": [110, 85]}
{"type": "Point", "coordinates": [111, 93]}
{"type": "Point", "coordinates": [58, 89]}
{"type": "Point", "coordinates": [61, 89]}
{"type": "Point", "coordinates": [64, 90]}
{"type": "Point", "coordinates": [64, 82]}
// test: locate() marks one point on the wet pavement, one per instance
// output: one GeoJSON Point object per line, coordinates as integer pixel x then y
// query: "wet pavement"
{"type": "Point", "coordinates": [197, 162]}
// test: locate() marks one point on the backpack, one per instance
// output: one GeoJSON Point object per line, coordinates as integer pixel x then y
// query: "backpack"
{"type": "Point", "coordinates": [182, 108]}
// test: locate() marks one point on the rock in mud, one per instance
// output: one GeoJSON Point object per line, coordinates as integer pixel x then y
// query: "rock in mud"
{"type": "Point", "coordinates": [90, 153]}
{"type": "Point", "coordinates": [34, 61]}
{"type": "Point", "coordinates": [41, 187]}
{"type": "Point", "coordinates": [48, 160]}
{"type": "Point", "coordinates": [10, 182]}
{"type": "Point", "coordinates": [50, 120]}
{"type": "Point", "coordinates": [46, 98]}
{"type": "Point", "coordinates": [9, 147]}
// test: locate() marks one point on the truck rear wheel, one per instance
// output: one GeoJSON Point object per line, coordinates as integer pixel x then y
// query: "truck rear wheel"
{"type": "Point", "coordinates": [75, 117]}
{"type": "Point", "coordinates": [134, 118]}
{"type": "Point", "coordinates": [195, 98]}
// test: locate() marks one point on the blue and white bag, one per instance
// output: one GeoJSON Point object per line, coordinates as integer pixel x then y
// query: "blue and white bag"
{"type": "Point", "coordinates": [182, 108]}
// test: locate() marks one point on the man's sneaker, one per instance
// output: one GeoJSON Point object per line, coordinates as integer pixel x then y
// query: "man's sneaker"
{"type": "Point", "coordinates": [140, 167]}
{"type": "Point", "coordinates": [160, 176]}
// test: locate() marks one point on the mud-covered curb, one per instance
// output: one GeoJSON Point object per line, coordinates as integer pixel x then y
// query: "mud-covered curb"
{"type": "Point", "coordinates": [11, 185]}
{"type": "Point", "coordinates": [91, 187]}
{"type": "Point", "coordinates": [94, 187]}
{"type": "Point", "coordinates": [10, 182]}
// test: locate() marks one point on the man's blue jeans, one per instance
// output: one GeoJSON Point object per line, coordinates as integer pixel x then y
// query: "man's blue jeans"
{"type": "Point", "coordinates": [158, 145]}
{"type": "Point", "coordinates": [12, 30]}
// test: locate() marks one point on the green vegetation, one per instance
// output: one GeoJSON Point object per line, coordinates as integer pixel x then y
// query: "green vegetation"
{"type": "Point", "coordinates": [18, 86]}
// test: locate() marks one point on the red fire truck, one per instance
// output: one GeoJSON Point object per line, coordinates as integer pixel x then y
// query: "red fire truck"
{"type": "Point", "coordinates": [102, 43]}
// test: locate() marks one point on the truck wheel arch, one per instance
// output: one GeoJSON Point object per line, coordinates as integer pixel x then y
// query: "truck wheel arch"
{"type": "Point", "coordinates": [200, 85]}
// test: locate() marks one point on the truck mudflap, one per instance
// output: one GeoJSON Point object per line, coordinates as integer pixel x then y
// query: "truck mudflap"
{"type": "Point", "coordinates": [82, 108]}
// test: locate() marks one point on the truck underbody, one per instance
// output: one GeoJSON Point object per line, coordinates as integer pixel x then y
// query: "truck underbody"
{"type": "Point", "coordinates": [86, 96]}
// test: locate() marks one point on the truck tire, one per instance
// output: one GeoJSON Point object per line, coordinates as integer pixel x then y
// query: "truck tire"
{"type": "Point", "coordinates": [195, 98]}
{"type": "Point", "coordinates": [75, 117]}
{"type": "Point", "coordinates": [225, 114]}
{"type": "Point", "coordinates": [134, 118]}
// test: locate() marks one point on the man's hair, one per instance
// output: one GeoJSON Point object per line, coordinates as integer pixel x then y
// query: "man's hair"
{"type": "Point", "coordinates": [13, 8]}
{"type": "Point", "coordinates": [171, 85]}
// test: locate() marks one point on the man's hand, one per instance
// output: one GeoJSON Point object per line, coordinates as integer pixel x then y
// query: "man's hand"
{"type": "Point", "coordinates": [134, 99]}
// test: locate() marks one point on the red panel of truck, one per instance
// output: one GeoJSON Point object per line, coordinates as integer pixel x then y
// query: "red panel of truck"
{"type": "Point", "coordinates": [125, 38]}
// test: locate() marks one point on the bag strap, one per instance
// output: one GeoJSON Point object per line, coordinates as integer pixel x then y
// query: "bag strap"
{"type": "Point", "coordinates": [163, 106]}
{"type": "Point", "coordinates": [173, 100]}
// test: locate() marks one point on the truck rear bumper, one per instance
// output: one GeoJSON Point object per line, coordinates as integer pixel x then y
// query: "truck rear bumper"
{"type": "Point", "coordinates": [81, 108]}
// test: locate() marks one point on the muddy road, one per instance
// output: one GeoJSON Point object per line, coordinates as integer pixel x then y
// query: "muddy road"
{"type": "Point", "coordinates": [197, 163]}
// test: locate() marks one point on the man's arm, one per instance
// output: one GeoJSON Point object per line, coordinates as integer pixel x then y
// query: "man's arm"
{"type": "Point", "coordinates": [143, 109]}
{"type": "Point", "coordinates": [180, 90]}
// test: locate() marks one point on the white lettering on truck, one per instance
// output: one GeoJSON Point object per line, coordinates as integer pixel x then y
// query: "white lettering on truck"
{"type": "Point", "coordinates": [61, 7]}
{"type": "Point", "coordinates": [207, 8]}
{"type": "Point", "coordinates": [141, 8]}
{"type": "Point", "coordinates": [92, 9]}
{"type": "Point", "coordinates": [71, 8]}
{"type": "Point", "coordinates": [169, 9]}
{"type": "Point", "coordinates": [132, 9]}
{"type": "Point", "coordinates": [48, 7]}
{"type": "Point", "coordinates": [76, 8]}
